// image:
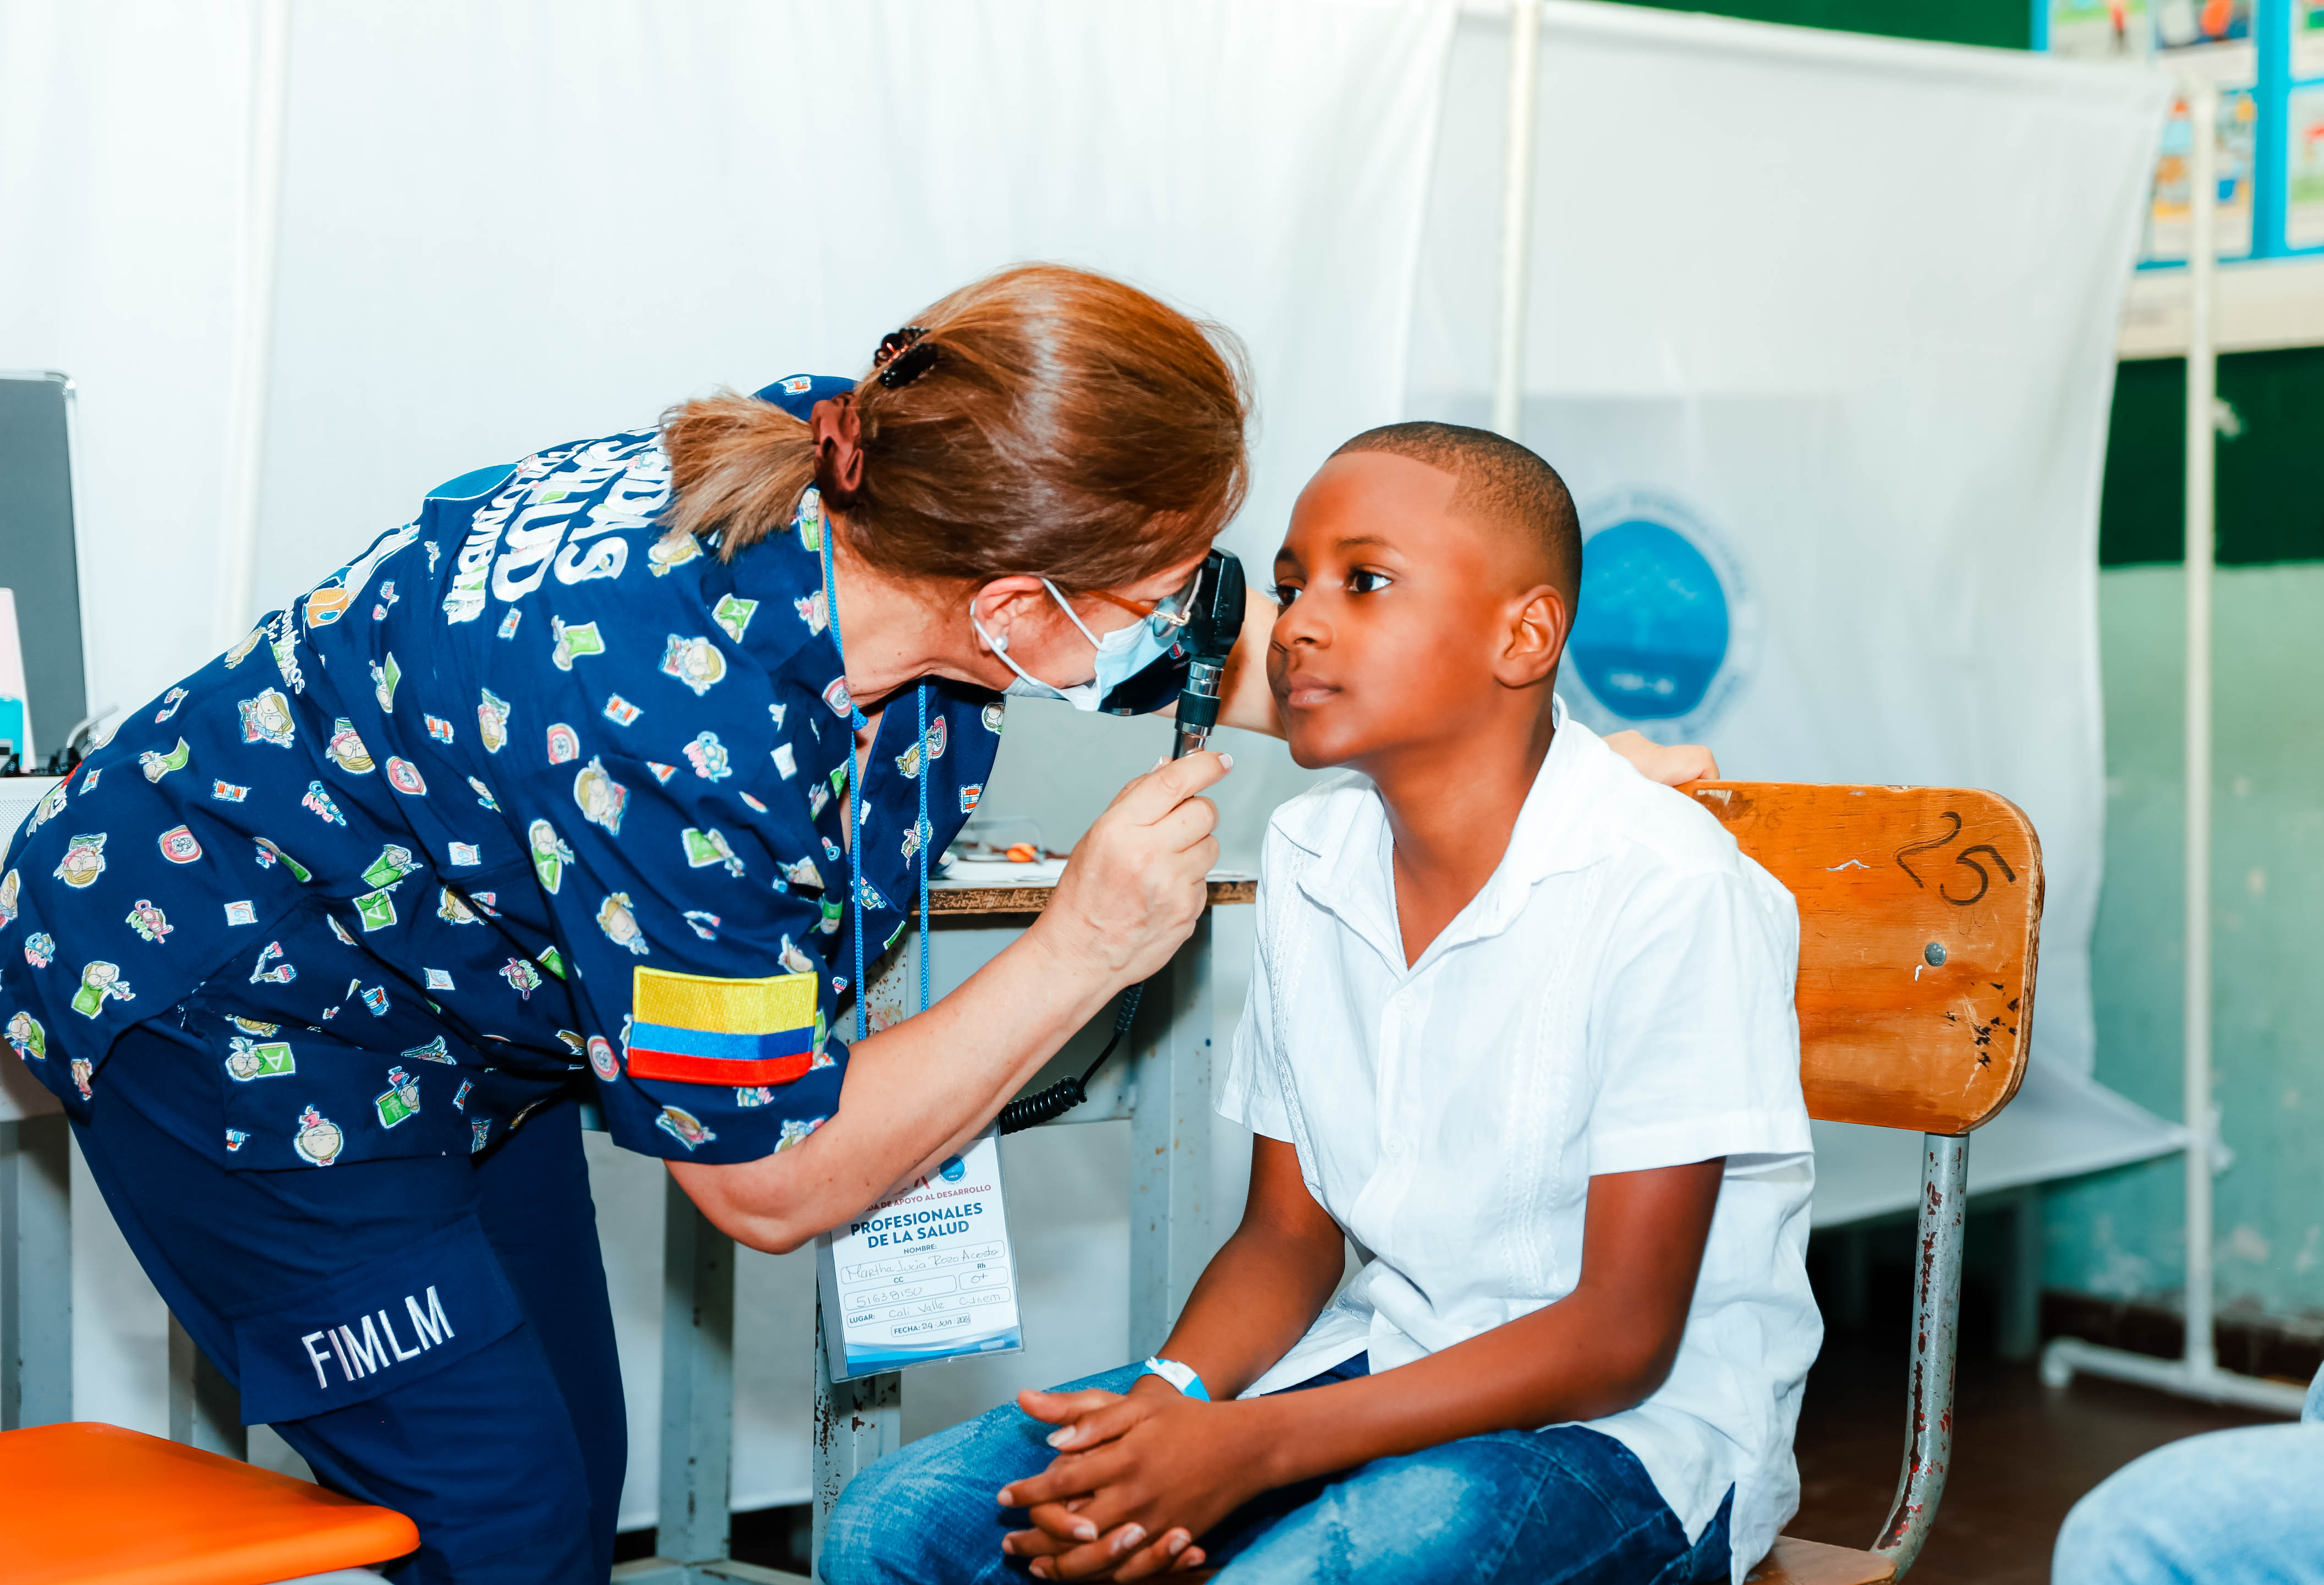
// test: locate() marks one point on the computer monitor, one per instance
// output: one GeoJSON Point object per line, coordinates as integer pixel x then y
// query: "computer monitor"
{"type": "Point", "coordinates": [39, 559]}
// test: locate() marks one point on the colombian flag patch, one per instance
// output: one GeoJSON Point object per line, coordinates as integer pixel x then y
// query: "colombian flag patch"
{"type": "Point", "coordinates": [701, 1031]}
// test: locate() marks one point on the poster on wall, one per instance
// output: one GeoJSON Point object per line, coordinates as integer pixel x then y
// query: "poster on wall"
{"type": "Point", "coordinates": [2303, 168]}
{"type": "Point", "coordinates": [2100, 28]}
{"type": "Point", "coordinates": [2180, 24]}
{"type": "Point", "coordinates": [2238, 143]}
{"type": "Point", "coordinates": [2208, 39]}
{"type": "Point", "coordinates": [2307, 18]}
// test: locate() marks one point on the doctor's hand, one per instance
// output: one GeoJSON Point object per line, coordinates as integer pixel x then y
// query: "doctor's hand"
{"type": "Point", "coordinates": [1133, 886]}
{"type": "Point", "coordinates": [1136, 1477]}
{"type": "Point", "coordinates": [1673, 768]}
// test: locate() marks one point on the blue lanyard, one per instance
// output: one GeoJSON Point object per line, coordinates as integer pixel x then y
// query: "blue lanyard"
{"type": "Point", "coordinates": [856, 723]}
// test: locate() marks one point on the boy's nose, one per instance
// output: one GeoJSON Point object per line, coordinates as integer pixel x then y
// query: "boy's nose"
{"type": "Point", "coordinates": [1299, 623]}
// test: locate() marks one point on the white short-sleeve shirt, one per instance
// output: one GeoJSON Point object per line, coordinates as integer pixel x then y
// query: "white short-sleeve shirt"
{"type": "Point", "coordinates": [1618, 996]}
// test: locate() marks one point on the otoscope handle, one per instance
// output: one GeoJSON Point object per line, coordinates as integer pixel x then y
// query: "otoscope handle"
{"type": "Point", "coordinates": [1213, 623]}
{"type": "Point", "coordinates": [1198, 707]}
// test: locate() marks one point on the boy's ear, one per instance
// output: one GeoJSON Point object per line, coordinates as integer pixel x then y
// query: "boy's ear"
{"type": "Point", "coordinates": [1539, 620]}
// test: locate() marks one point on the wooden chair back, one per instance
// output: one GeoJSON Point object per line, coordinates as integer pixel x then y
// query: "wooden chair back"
{"type": "Point", "coordinates": [1920, 929]}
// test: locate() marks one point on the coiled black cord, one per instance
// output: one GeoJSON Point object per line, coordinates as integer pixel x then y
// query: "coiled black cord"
{"type": "Point", "coordinates": [1066, 1094]}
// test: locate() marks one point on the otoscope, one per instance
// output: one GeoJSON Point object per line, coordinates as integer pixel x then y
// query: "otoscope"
{"type": "Point", "coordinates": [1213, 623]}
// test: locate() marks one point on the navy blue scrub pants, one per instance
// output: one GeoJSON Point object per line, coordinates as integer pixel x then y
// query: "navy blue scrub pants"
{"type": "Point", "coordinates": [505, 1437]}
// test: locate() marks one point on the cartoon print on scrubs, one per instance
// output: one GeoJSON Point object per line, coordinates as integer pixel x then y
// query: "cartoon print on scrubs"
{"type": "Point", "coordinates": [29, 1039]}
{"type": "Point", "coordinates": [531, 865]}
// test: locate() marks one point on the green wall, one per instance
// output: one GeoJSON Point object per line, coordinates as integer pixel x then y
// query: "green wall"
{"type": "Point", "coordinates": [2118, 1234]}
{"type": "Point", "coordinates": [2006, 24]}
{"type": "Point", "coordinates": [2270, 461]}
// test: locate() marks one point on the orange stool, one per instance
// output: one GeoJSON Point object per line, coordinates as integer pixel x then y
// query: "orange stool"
{"type": "Point", "coordinates": [85, 1504]}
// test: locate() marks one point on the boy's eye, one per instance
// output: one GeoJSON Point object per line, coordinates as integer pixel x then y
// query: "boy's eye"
{"type": "Point", "coordinates": [1366, 581]}
{"type": "Point", "coordinates": [1283, 595]}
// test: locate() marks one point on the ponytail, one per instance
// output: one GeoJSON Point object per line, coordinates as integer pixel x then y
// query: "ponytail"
{"type": "Point", "coordinates": [1063, 424]}
{"type": "Point", "coordinates": [736, 464]}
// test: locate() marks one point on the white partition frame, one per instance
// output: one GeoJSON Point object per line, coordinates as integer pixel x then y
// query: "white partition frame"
{"type": "Point", "coordinates": [2196, 1373]}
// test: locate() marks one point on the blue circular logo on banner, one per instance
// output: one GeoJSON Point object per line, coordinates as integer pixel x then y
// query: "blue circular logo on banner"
{"type": "Point", "coordinates": [1652, 626]}
{"type": "Point", "coordinates": [1665, 629]}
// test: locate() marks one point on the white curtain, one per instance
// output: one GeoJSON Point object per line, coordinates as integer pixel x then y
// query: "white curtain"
{"type": "Point", "coordinates": [513, 223]}
{"type": "Point", "coordinates": [121, 167]}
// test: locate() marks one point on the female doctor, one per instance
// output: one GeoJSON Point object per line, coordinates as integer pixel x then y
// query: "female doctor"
{"type": "Point", "coordinates": [573, 772]}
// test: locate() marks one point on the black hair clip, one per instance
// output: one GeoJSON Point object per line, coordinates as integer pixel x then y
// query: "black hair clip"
{"type": "Point", "coordinates": [903, 357]}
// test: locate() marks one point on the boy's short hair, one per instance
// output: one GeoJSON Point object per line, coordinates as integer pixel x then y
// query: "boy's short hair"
{"type": "Point", "coordinates": [1498, 479]}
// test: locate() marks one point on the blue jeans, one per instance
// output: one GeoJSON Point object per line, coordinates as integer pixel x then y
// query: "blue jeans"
{"type": "Point", "coordinates": [1563, 1507]}
{"type": "Point", "coordinates": [2229, 1507]}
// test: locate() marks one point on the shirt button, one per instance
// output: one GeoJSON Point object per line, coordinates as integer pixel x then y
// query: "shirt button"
{"type": "Point", "coordinates": [1395, 1144]}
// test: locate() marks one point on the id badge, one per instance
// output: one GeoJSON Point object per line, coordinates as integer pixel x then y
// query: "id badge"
{"type": "Point", "coordinates": [925, 1275]}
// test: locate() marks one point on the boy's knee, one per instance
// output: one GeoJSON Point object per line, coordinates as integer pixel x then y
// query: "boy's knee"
{"type": "Point", "coordinates": [2114, 1536]}
{"type": "Point", "coordinates": [902, 1520]}
{"type": "Point", "coordinates": [858, 1547]}
{"type": "Point", "coordinates": [2165, 1513]}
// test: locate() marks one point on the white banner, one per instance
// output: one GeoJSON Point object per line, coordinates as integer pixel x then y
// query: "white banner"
{"type": "Point", "coordinates": [1821, 335]}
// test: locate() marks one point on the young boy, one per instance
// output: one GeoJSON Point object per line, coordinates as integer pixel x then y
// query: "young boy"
{"type": "Point", "coordinates": [1521, 1030]}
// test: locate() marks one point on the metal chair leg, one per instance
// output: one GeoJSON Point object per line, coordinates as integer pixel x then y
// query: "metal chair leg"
{"type": "Point", "coordinates": [1936, 1330]}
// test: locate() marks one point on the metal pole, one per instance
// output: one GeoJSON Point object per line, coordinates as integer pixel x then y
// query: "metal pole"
{"type": "Point", "coordinates": [857, 1423]}
{"type": "Point", "coordinates": [205, 1410]}
{"type": "Point", "coordinates": [2196, 1373]}
{"type": "Point", "coordinates": [2202, 382]}
{"type": "Point", "coordinates": [1516, 215]}
{"type": "Point", "coordinates": [1170, 1142]}
{"type": "Point", "coordinates": [698, 1383]}
{"type": "Point", "coordinates": [35, 1272]}
{"type": "Point", "coordinates": [253, 318]}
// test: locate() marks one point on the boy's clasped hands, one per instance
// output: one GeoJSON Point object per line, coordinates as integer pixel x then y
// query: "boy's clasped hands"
{"type": "Point", "coordinates": [1137, 1477]}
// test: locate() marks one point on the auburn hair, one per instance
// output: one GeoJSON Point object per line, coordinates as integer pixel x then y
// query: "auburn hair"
{"type": "Point", "coordinates": [1070, 427]}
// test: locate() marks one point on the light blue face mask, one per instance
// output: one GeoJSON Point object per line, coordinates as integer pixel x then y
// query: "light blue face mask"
{"type": "Point", "coordinates": [1122, 653]}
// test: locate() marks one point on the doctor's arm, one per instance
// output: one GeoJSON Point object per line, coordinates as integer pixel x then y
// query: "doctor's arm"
{"type": "Point", "coordinates": [1246, 701]}
{"type": "Point", "coordinates": [919, 1092]}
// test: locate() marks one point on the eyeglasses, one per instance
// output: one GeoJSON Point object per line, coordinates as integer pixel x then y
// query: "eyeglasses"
{"type": "Point", "coordinates": [1164, 615]}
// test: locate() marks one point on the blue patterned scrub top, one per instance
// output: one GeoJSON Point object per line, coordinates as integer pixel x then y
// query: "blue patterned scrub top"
{"type": "Point", "coordinates": [523, 791]}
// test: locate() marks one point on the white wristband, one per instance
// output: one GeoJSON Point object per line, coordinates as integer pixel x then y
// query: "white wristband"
{"type": "Point", "coordinates": [1180, 1376]}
